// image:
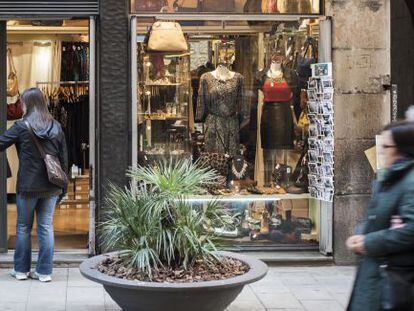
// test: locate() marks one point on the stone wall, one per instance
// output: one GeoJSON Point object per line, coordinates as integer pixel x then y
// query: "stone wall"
{"type": "Point", "coordinates": [114, 109]}
{"type": "Point", "coordinates": [361, 58]}
{"type": "Point", "coordinates": [402, 54]}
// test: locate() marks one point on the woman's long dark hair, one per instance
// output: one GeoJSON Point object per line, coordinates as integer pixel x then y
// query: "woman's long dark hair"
{"type": "Point", "coordinates": [403, 135]}
{"type": "Point", "coordinates": [37, 113]}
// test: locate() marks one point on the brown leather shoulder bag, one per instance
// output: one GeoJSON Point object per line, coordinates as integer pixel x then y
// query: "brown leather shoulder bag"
{"type": "Point", "coordinates": [55, 173]}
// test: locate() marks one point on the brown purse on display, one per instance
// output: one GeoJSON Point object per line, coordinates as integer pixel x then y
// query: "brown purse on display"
{"type": "Point", "coordinates": [12, 83]}
{"type": "Point", "coordinates": [150, 5]}
{"type": "Point", "coordinates": [55, 173]}
{"type": "Point", "coordinates": [218, 6]}
{"type": "Point", "coordinates": [166, 37]}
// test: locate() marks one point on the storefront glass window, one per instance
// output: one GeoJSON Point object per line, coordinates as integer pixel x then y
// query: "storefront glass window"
{"type": "Point", "coordinates": [228, 6]}
{"type": "Point", "coordinates": [236, 102]}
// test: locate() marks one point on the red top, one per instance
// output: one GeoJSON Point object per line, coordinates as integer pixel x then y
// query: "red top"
{"type": "Point", "coordinates": [276, 91]}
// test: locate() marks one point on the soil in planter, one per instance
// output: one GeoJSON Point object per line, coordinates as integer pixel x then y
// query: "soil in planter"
{"type": "Point", "coordinates": [201, 272]}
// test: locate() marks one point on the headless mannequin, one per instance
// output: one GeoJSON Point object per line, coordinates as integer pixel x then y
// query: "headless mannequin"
{"type": "Point", "coordinates": [223, 73]}
{"type": "Point", "coordinates": [273, 156]}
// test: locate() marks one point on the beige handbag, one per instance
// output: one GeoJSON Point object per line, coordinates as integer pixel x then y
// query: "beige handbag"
{"type": "Point", "coordinates": [167, 37]}
{"type": "Point", "coordinates": [12, 84]}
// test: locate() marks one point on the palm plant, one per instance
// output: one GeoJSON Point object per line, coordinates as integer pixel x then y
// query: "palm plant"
{"type": "Point", "coordinates": [153, 223]}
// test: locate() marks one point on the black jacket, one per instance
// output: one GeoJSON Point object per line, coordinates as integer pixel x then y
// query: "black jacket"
{"type": "Point", "coordinates": [32, 175]}
{"type": "Point", "coordinates": [392, 195]}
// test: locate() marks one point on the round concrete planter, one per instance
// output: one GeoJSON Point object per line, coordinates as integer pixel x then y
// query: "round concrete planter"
{"type": "Point", "coordinates": [149, 296]}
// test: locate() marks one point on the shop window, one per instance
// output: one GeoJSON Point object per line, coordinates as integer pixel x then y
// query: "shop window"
{"type": "Point", "coordinates": [236, 102]}
{"type": "Point", "coordinates": [228, 6]}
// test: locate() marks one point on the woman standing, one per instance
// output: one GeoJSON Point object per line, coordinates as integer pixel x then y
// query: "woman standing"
{"type": "Point", "coordinates": [386, 235]}
{"type": "Point", "coordinates": [35, 194]}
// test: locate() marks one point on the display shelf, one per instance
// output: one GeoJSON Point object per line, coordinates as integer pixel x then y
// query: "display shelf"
{"type": "Point", "coordinates": [163, 118]}
{"type": "Point", "coordinates": [247, 197]}
{"type": "Point", "coordinates": [163, 84]}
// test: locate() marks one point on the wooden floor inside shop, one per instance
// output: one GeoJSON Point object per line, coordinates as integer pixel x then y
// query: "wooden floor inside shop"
{"type": "Point", "coordinates": [71, 227]}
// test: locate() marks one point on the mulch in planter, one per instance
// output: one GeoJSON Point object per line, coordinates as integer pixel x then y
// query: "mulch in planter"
{"type": "Point", "coordinates": [200, 272]}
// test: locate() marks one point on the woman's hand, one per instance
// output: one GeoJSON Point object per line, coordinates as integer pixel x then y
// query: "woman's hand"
{"type": "Point", "coordinates": [355, 244]}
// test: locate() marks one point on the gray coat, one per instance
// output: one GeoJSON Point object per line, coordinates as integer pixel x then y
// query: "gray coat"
{"type": "Point", "coordinates": [392, 194]}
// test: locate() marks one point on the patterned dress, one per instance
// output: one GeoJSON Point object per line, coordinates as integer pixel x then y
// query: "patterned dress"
{"type": "Point", "coordinates": [222, 109]}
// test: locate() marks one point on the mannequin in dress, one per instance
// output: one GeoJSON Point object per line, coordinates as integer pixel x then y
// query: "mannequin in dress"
{"type": "Point", "coordinates": [277, 119]}
{"type": "Point", "coordinates": [221, 108]}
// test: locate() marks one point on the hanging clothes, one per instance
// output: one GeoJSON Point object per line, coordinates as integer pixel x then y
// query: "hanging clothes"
{"type": "Point", "coordinates": [75, 62]}
{"type": "Point", "coordinates": [74, 119]}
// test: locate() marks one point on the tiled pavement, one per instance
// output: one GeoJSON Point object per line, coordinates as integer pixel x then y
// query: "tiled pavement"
{"type": "Point", "coordinates": [284, 288]}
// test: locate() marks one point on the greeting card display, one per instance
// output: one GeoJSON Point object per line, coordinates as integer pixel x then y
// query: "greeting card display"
{"type": "Point", "coordinates": [321, 132]}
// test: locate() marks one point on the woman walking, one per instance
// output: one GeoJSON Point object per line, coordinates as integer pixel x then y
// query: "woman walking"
{"type": "Point", "coordinates": [36, 195]}
{"type": "Point", "coordinates": [385, 238]}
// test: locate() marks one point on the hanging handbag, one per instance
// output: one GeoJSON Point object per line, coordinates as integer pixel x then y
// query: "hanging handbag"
{"type": "Point", "coordinates": [55, 173]}
{"type": "Point", "coordinates": [269, 6]}
{"type": "Point", "coordinates": [303, 68]}
{"type": "Point", "coordinates": [150, 5]}
{"type": "Point", "coordinates": [253, 6]}
{"type": "Point", "coordinates": [12, 83]}
{"type": "Point", "coordinates": [15, 110]}
{"type": "Point", "coordinates": [288, 6]}
{"type": "Point", "coordinates": [218, 6]}
{"type": "Point", "coordinates": [166, 37]}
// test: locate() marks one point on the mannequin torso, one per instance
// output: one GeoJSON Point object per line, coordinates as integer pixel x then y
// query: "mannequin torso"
{"type": "Point", "coordinates": [223, 73]}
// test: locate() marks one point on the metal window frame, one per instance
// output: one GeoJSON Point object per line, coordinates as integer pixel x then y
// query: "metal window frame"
{"type": "Point", "coordinates": [325, 208]}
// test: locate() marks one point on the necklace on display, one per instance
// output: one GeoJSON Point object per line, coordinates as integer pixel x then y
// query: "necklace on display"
{"type": "Point", "coordinates": [275, 77]}
{"type": "Point", "coordinates": [239, 174]}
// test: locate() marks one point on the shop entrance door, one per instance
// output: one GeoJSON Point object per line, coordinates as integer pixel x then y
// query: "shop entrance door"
{"type": "Point", "coordinates": [74, 218]}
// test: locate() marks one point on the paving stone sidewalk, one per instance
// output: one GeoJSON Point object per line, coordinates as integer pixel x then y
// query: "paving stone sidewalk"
{"type": "Point", "coordinates": [284, 288]}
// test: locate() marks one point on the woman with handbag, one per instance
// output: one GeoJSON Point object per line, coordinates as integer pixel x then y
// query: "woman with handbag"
{"type": "Point", "coordinates": [39, 141]}
{"type": "Point", "coordinates": [385, 238]}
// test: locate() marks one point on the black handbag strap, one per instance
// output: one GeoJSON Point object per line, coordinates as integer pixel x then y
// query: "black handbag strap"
{"type": "Point", "coordinates": [36, 141]}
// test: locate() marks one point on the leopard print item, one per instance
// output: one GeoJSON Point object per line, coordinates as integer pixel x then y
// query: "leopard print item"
{"type": "Point", "coordinates": [217, 161]}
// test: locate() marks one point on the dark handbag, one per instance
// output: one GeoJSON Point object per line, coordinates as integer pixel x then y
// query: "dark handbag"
{"type": "Point", "coordinates": [281, 175]}
{"type": "Point", "coordinates": [217, 161]}
{"type": "Point", "coordinates": [48, 23]}
{"type": "Point", "coordinates": [15, 110]}
{"type": "Point", "coordinates": [54, 170]}
{"type": "Point", "coordinates": [253, 6]}
{"type": "Point", "coordinates": [397, 288]}
{"type": "Point", "coordinates": [150, 5]}
{"type": "Point", "coordinates": [218, 6]}
{"type": "Point", "coordinates": [304, 62]}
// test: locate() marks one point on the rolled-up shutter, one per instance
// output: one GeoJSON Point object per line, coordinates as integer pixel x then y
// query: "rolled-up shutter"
{"type": "Point", "coordinates": [48, 8]}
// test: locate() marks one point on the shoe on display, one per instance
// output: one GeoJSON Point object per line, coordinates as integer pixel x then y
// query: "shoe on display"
{"type": "Point", "coordinates": [41, 277]}
{"type": "Point", "coordinates": [19, 275]}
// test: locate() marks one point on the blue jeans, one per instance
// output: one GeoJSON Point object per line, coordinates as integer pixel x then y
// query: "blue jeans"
{"type": "Point", "coordinates": [26, 208]}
